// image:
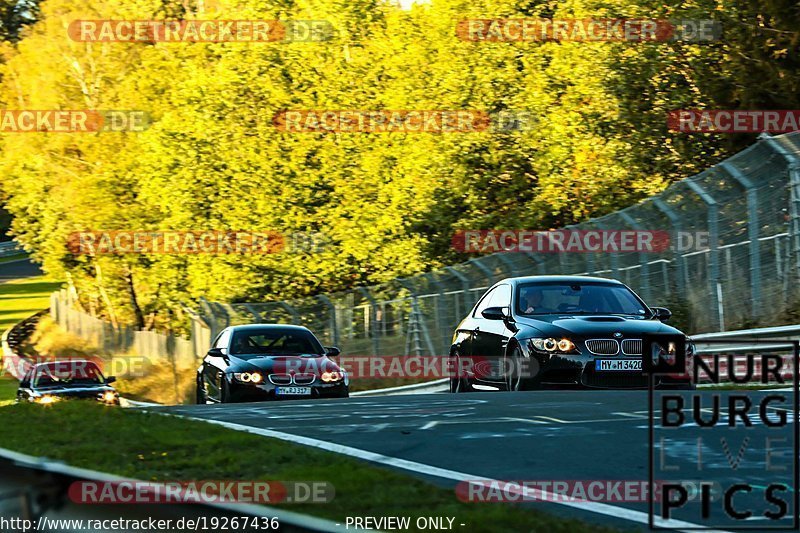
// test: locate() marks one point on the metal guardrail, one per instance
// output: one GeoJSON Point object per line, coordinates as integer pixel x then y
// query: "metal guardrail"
{"type": "Point", "coordinates": [744, 342]}
{"type": "Point", "coordinates": [777, 332]}
{"type": "Point", "coordinates": [737, 338]}
{"type": "Point", "coordinates": [13, 364]}
{"type": "Point", "coordinates": [35, 480]}
{"type": "Point", "coordinates": [9, 248]}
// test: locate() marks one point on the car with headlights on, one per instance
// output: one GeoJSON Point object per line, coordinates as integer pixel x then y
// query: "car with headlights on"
{"type": "Point", "coordinates": [540, 331]}
{"type": "Point", "coordinates": [259, 362]}
{"type": "Point", "coordinates": [51, 382]}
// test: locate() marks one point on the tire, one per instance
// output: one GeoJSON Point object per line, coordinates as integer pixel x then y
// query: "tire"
{"type": "Point", "coordinates": [225, 391]}
{"type": "Point", "coordinates": [515, 381]}
{"type": "Point", "coordinates": [459, 384]}
{"type": "Point", "coordinates": [200, 394]}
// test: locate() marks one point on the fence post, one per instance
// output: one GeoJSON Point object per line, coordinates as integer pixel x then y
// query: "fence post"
{"type": "Point", "coordinates": [503, 257]}
{"type": "Point", "coordinates": [486, 271]}
{"type": "Point", "coordinates": [793, 167]}
{"type": "Point", "coordinates": [539, 264]}
{"type": "Point", "coordinates": [212, 319]}
{"type": "Point", "coordinates": [464, 287]}
{"type": "Point", "coordinates": [373, 319]}
{"type": "Point", "coordinates": [680, 261]}
{"type": "Point", "coordinates": [443, 329]}
{"type": "Point", "coordinates": [291, 310]}
{"type": "Point", "coordinates": [334, 324]}
{"type": "Point", "coordinates": [752, 234]}
{"type": "Point", "coordinates": [417, 314]}
{"type": "Point", "coordinates": [713, 242]}
{"type": "Point", "coordinates": [614, 255]}
{"type": "Point", "coordinates": [644, 272]}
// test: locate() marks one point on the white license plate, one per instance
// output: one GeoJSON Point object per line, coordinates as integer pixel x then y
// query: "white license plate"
{"type": "Point", "coordinates": [293, 391]}
{"type": "Point", "coordinates": [618, 365]}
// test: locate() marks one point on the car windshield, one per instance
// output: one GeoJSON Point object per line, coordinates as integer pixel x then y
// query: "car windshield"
{"type": "Point", "coordinates": [582, 298]}
{"type": "Point", "coordinates": [68, 374]}
{"type": "Point", "coordinates": [275, 342]}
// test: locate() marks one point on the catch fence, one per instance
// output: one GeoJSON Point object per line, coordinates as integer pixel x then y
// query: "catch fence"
{"type": "Point", "coordinates": [747, 209]}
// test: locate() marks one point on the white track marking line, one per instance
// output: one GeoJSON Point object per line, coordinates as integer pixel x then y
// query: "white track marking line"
{"type": "Point", "coordinates": [527, 421]}
{"type": "Point", "coordinates": [550, 418]}
{"type": "Point", "coordinates": [631, 415]}
{"type": "Point", "coordinates": [428, 470]}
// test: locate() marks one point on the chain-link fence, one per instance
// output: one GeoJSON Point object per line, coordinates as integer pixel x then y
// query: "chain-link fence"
{"type": "Point", "coordinates": [745, 275]}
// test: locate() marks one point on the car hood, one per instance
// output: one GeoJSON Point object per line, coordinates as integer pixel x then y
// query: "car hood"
{"type": "Point", "coordinates": [589, 326]}
{"type": "Point", "coordinates": [283, 364]}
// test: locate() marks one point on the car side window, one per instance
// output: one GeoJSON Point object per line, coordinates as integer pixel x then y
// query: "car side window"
{"type": "Point", "coordinates": [484, 303]}
{"type": "Point", "coordinates": [223, 339]}
{"type": "Point", "coordinates": [26, 380]}
{"type": "Point", "coordinates": [501, 296]}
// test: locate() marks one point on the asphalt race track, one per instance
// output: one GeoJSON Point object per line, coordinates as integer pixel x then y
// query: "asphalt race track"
{"type": "Point", "coordinates": [546, 435]}
{"type": "Point", "coordinates": [22, 268]}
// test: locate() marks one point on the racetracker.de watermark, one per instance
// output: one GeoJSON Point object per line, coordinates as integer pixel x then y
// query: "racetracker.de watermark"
{"type": "Point", "coordinates": [401, 121]}
{"type": "Point", "coordinates": [732, 121]}
{"type": "Point", "coordinates": [409, 366]}
{"type": "Point", "coordinates": [543, 29]}
{"type": "Point", "coordinates": [200, 492]}
{"type": "Point", "coordinates": [562, 490]}
{"type": "Point", "coordinates": [578, 241]}
{"type": "Point", "coordinates": [200, 31]}
{"type": "Point", "coordinates": [128, 366]}
{"type": "Point", "coordinates": [175, 242]}
{"type": "Point", "coordinates": [72, 121]}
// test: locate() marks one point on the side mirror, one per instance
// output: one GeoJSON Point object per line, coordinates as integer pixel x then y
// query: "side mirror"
{"type": "Point", "coordinates": [661, 313]}
{"type": "Point", "coordinates": [495, 313]}
{"type": "Point", "coordinates": [215, 352]}
{"type": "Point", "coordinates": [332, 351]}
{"type": "Point", "coordinates": [110, 380]}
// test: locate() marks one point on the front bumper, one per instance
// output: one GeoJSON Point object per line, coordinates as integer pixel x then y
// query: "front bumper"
{"type": "Point", "coordinates": [581, 370]}
{"type": "Point", "coordinates": [242, 392]}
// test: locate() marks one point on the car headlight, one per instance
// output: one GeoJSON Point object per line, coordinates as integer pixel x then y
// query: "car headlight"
{"type": "Point", "coordinates": [46, 399]}
{"type": "Point", "coordinates": [248, 377]}
{"type": "Point", "coordinates": [329, 377]}
{"type": "Point", "coordinates": [551, 345]}
{"type": "Point", "coordinates": [108, 397]}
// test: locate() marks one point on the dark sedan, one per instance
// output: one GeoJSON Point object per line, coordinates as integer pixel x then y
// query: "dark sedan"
{"type": "Point", "coordinates": [48, 383]}
{"type": "Point", "coordinates": [531, 332]}
{"type": "Point", "coordinates": [269, 362]}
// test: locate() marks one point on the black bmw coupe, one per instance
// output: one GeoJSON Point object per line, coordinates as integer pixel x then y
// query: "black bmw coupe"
{"type": "Point", "coordinates": [48, 383]}
{"type": "Point", "coordinates": [269, 362]}
{"type": "Point", "coordinates": [531, 332]}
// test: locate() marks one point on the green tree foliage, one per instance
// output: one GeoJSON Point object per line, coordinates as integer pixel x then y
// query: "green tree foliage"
{"type": "Point", "coordinates": [15, 15]}
{"type": "Point", "coordinates": [387, 204]}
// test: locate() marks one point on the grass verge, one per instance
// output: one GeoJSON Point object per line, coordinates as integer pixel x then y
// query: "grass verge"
{"type": "Point", "coordinates": [22, 298]}
{"type": "Point", "coordinates": [19, 300]}
{"type": "Point", "coordinates": [154, 447]}
{"type": "Point", "coordinates": [8, 390]}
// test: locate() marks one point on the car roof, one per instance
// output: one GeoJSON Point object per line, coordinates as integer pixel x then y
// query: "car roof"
{"type": "Point", "coordinates": [559, 279]}
{"type": "Point", "coordinates": [245, 327]}
{"type": "Point", "coordinates": [65, 362]}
